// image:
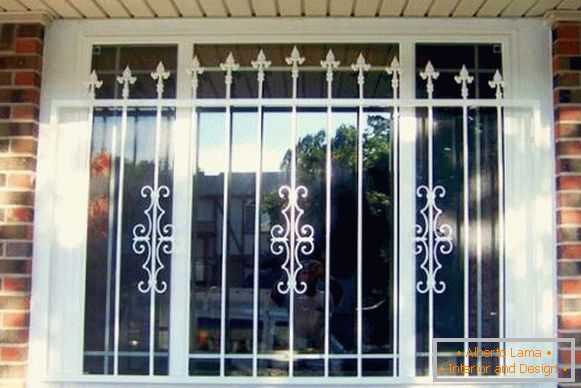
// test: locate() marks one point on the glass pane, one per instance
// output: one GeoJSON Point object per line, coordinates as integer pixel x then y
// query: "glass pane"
{"type": "Point", "coordinates": [240, 263]}
{"type": "Point", "coordinates": [207, 233]}
{"type": "Point", "coordinates": [109, 61]}
{"type": "Point", "coordinates": [273, 309]}
{"type": "Point", "coordinates": [309, 314]}
{"type": "Point", "coordinates": [134, 304]}
{"type": "Point", "coordinates": [312, 81]}
{"type": "Point", "coordinates": [343, 317]}
{"type": "Point", "coordinates": [449, 313]}
{"type": "Point", "coordinates": [378, 260]}
{"type": "Point", "coordinates": [481, 60]}
{"type": "Point", "coordinates": [100, 283]}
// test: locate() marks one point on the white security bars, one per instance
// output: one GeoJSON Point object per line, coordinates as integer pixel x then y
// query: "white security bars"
{"type": "Point", "coordinates": [286, 235]}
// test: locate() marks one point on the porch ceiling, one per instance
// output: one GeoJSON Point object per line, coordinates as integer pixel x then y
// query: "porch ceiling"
{"type": "Point", "coordinates": [95, 9]}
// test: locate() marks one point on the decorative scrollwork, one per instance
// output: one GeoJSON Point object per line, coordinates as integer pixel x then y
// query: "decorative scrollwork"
{"type": "Point", "coordinates": [431, 248]}
{"type": "Point", "coordinates": [292, 240]}
{"type": "Point", "coordinates": [153, 241]}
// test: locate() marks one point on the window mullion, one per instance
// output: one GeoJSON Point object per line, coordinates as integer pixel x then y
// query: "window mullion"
{"type": "Point", "coordinates": [183, 135]}
{"type": "Point", "coordinates": [407, 215]}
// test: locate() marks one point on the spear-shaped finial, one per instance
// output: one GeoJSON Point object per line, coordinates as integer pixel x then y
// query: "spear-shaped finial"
{"type": "Point", "coordinates": [360, 66]}
{"type": "Point", "coordinates": [125, 79]}
{"type": "Point", "coordinates": [229, 66]}
{"type": "Point", "coordinates": [330, 63]}
{"type": "Point", "coordinates": [498, 84]}
{"type": "Point", "coordinates": [464, 78]}
{"type": "Point", "coordinates": [194, 72]}
{"type": "Point", "coordinates": [295, 60]}
{"type": "Point", "coordinates": [395, 71]}
{"type": "Point", "coordinates": [430, 75]}
{"type": "Point", "coordinates": [159, 75]}
{"type": "Point", "coordinates": [261, 64]}
{"type": "Point", "coordinates": [93, 83]}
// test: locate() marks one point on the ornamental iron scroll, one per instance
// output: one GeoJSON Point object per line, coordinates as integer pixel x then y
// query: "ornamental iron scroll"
{"type": "Point", "coordinates": [432, 239]}
{"type": "Point", "coordinates": [152, 239]}
{"type": "Point", "coordinates": [292, 240]}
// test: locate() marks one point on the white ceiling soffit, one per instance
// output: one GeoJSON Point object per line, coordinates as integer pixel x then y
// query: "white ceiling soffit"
{"type": "Point", "coordinates": [100, 9]}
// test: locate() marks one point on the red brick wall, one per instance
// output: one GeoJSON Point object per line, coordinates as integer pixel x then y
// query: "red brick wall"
{"type": "Point", "coordinates": [20, 70]}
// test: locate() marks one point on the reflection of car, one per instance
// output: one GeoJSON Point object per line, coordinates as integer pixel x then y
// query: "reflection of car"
{"type": "Point", "coordinates": [272, 320]}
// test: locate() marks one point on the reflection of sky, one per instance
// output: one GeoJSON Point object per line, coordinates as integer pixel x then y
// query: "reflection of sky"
{"type": "Point", "coordinates": [276, 138]}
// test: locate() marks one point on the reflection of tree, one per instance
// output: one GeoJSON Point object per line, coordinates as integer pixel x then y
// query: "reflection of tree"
{"type": "Point", "coordinates": [377, 210]}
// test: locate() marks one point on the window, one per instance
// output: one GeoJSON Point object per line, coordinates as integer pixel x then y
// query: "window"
{"type": "Point", "coordinates": [284, 213]}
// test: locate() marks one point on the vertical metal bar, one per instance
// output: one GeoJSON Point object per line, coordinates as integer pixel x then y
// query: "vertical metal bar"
{"type": "Point", "coordinates": [292, 223]}
{"type": "Point", "coordinates": [118, 237]}
{"type": "Point", "coordinates": [328, 225]}
{"type": "Point", "coordinates": [478, 233]}
{"type": "Point", "coordinates": [501, 258]}
{"type": "Point", "coordinates": [360, 128]}
{"type": "Point", "coordinates": [395, 73]}
{"type": "Point", "coordinates": [431, 235]}
{"type": "Point", "coordinates": [228, 66]}
{"type": "Point", "coordinates": [152, 292]}
{"type": "Point", "coordinates": [260, 64]}
{"type": "Point", "coordinates": [466, 229]}
{"type": "Point", "coordinates": [110, 229]}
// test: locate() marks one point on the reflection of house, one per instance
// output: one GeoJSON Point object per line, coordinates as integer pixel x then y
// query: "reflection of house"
{"type": "Point", "coordinates": [208, 226]}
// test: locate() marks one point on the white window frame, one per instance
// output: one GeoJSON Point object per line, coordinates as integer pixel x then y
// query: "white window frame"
{"type": "Point", "coordinates": [58, 278]}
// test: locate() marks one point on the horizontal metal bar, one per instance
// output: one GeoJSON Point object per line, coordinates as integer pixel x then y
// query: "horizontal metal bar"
{"type": "Point", "coordinates": [238, 381]}
{"type": "Point", "coordinates": [301, 103]}
{"type": "Point", "coordinates": [285, 357]}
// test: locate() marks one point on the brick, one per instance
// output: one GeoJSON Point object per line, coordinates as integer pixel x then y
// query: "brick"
{"type": "Point", "coordinates": [4, 112]}
{"type": "Point", "coordinates": [17, 163]}
{"type": "Point", "coordinates": [569, 114]}
{"type": "Point", "coordinates": [15, 336]}
{"type": "Point", "coordinates": [570, 251]}
{"type": "Point", "coordinates": [569, 199]}
{"type": "Point", "coordinates": [569, 182]}
{"type": "Point", "coordinates": [13, 353]}
{"type": "Point", "coordinates": [18, 249]}
{"type": "Point", "coordinates": [19, 95]}
{"type": "Point", "coordinates": [570, 305]}
{"type": "Point", "coordinates": [4, 145]}
{"type": "Point", "coordinates": [27, 112]}
{"type": "Point", "coordinates": [565, 356]}
{"type": "Point", "coordinates": [19, 267]}
{"type": "Point", "coordinates": [17, 284]}
{"type": "Point", "coordinates": [572, 147]}
{"type": "Point", "coordinates": [28, 146]}
{"type": "Point", "coordinates": [569, 268]}
{"type": "Point", "coordinates": [27, 78]}
{"type": "Point", "coordinates": [30, 31]}
{"type": "Point", "coordinates": [570, 216]}
{"type": "Point", "coordinates": [14, 303]}
{"type": "Point", "coordinates": [20, 232]}
{"type": "Point", "coordinates": [21, 181]}
{"type": "Point", "coordinates": [18, 129]}
{"type": "Point", "coordinates": [19, 214]}
{"type": "Point", "coordinates": [33, 46]}
{"type": "Point", "coordinates": [14, 320]}
{"type": "Point", "coordinates": [32, 62]}
{"type": "Point", "coordinates": [566, 31]}
{"type": "Point", "coordinates": [569, 47]}
{"type": "Point", "coordinates": [570, 286]}
{"type": "Point", "coordinates": [566, 79]}
{"type": "Point", "coordinates": [569, 234]}
{"type": "Point", "coordinates": [570, 322]}
{"type": "Point", "coordinates": [568, 130]}
{"type": "Point", "coordinates": [7, 32]}
{"type": "Point", "coordinates": [6, 78]}
{"type": "Point", "coordinates": [12, 371]}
